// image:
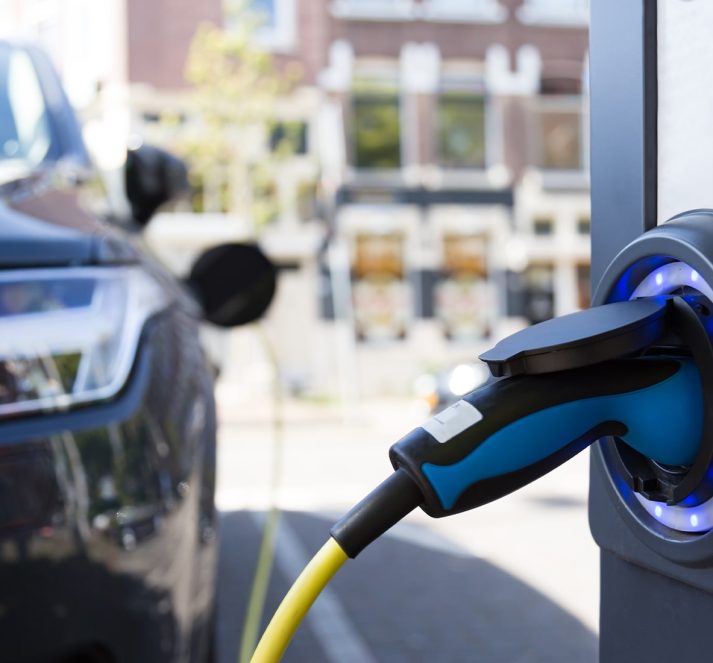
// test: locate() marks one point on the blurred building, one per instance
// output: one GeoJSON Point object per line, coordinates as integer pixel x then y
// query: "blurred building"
{"type": "Point", "coordinates": [459, 169]}
{"type": "Point", "coordinates": [438, 197]}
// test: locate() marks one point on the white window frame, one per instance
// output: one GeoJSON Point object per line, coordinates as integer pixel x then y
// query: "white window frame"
{"type": "Point", "coordinates": [282, 36]}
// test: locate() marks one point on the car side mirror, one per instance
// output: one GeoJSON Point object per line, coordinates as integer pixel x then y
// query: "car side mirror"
{"type": "Point", "coordinates": [234, 283]}
{"type": "Point", "coordinates": [152, 178]}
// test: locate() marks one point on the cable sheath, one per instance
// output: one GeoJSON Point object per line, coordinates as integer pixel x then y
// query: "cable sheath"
{"type": "Point", "coordinates": [266, 555]}
{"type": "Point", "coordinates": [297, 602]}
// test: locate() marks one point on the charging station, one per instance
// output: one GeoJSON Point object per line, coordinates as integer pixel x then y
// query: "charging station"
{"type": "Point", "coordinates": [651, 81]}
{"type": "Point", "coordinates": [632, 375]}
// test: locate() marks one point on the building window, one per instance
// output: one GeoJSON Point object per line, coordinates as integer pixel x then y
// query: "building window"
{"type": "Point", "coordinates": [584, 226]}
{"type": "Point", "coordinates": [266, 10]}
{"type": "Point", "coordinates": [276, 21]}
{"type": "Point", "coordinates": [379, 288]}
{"type": "Point", "coordinates": [543, 227]}
{"type": "Point", "coordinates": [376, 130]}
{"type": "Point", "coordinates": [461, 130]}
{"type": "Point", "coordinates": [558, 134]}
{"type": "Point", "coordinates": [540, 285]}
{"type": "Point", "coordinates": [463, 297]}
{"type": "Point", "coordinates": [584, 286]}
{"type": "Point", "coordinates": [531, 293]}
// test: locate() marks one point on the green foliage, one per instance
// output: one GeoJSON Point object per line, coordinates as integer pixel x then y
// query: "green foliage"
{"type": "Point", "coordinates": [67, 367]}
{"type": "Point", "coordinates": [265, 203]}
{"type": "Point", "coordinates": [288, 138]}
{"type": "Point", "coordinates": [236, 86]}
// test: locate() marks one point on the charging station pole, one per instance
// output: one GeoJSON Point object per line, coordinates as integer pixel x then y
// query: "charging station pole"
{"type": "Point", "coordinates": [655, 605]}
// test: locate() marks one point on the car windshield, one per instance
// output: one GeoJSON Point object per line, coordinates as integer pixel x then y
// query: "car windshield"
{"type": "Point", "coordinates": [24, 127]}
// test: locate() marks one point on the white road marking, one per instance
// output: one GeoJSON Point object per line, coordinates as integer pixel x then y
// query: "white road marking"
{"type": "Point", "coordinates": [337, 636]}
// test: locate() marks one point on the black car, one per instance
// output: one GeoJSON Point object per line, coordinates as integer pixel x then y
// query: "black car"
{"type": "Point", "coordinates": [107, 417]}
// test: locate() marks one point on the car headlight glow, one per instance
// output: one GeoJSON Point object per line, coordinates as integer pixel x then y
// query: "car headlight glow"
{"type": "Point", "coordinates": [465, 378]}
{"type": "Point", "coordinates": [69, 336]}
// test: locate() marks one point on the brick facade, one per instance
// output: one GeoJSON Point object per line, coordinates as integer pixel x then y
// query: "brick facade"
{"type": "Point", "coordinates": [159, 35]}
{"type": "Point", "coordinates": [160, 32]}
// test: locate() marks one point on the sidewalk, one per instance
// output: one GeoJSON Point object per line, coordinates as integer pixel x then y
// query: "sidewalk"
{"type": "Point", "coordinates": [518, 579]}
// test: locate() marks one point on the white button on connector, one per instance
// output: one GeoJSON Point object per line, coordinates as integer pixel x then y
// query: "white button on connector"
{"type": "Point", "coordinates": [453, 420]}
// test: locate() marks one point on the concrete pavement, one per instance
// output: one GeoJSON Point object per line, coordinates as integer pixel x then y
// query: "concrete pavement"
{"type": "Point", "coordinates": [516, 580]}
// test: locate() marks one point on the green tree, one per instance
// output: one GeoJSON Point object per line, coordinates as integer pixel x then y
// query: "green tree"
{"type": "Point", "coordinates": [236, 86]}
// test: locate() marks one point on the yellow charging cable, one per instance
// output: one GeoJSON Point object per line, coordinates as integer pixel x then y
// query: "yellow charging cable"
{"type": "Point", "coordinates": [389, 502]}
{"type": "Point", "coordinates": [263, 569]}
{"type": "Point", "coordinates": [297, 602]}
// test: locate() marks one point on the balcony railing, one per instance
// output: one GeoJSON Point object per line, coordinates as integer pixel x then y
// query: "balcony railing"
{"type": "Point", "coordinates": [478, 11]}
{"type": "Point", "coordinates": [555, 12]}
{"type": "Point", "coordinates": [481, 11]}
{"type": "Point", "coordinates": [378, 10]}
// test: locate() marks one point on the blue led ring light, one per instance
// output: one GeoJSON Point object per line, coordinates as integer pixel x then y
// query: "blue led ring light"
{"type": "Point", "coordinates": [662, 281]}
{"type": "Point", "coordinates": [687, 239]}
{"type": "Point", "coordinates": [669, 278]}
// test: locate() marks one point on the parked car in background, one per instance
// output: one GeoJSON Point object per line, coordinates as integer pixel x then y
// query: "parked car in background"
{"type": "Point", "coordinates": [107, 418]}
{"type": "Point", "coordinates": [442, 388]}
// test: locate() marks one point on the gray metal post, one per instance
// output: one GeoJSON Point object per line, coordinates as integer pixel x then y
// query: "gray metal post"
{"type": "Point", "coordinates": [623, 125]}
{"type": "Point", "coordinates": [652, 609]}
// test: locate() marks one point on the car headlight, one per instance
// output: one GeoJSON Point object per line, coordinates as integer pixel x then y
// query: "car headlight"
{"type": "Point", "coordinates": [69, 336]}
{"type": "Point", "coordinates": [465, 378]}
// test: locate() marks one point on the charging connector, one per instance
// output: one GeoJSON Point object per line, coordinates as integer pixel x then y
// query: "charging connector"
{"type": "Point", "coordinates": [511, 431]}
{"type": "Point", "coordinates": [393, 499]}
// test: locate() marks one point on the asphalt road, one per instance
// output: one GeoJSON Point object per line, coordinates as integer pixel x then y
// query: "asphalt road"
{"type": "Point", "coordinates": [515, 581]}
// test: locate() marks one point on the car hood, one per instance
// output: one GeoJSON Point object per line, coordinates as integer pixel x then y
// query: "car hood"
{"type": "Point", "coordinates": [28, 241]}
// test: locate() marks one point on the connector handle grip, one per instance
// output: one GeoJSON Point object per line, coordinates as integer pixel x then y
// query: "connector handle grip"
{"type": "Point", "coordinates": [510, 432]}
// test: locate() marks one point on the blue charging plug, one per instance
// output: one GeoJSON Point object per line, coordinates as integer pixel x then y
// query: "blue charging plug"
{"type": "Point", "coordinates": [563, 386]}
{"type": "Point", "coordinates": [512, 431]}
